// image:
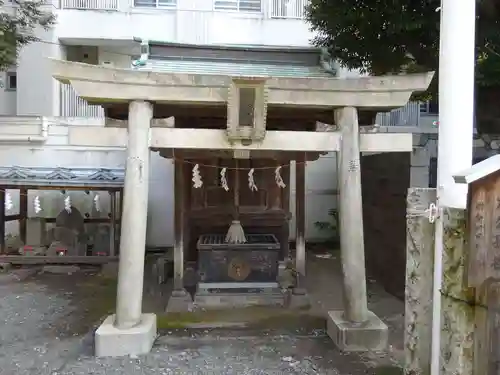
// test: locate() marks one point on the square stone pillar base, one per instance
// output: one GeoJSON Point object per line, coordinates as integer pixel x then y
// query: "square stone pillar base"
{"type": "Point", "coordinates": [113, 342]}
{"type": "Point", "coordinates": [298, 299]}
{"type": "Point", "coordinates": [179, 301]}
{"type": "Point", "coordinates": [357, 337]}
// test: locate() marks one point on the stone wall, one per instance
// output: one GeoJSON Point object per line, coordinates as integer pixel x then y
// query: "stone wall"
{"type": "Point", "coordinates": [386, 179]}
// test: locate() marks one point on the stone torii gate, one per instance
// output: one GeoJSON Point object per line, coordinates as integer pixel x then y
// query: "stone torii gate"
{"type": "Point", "coordinates": [129, 331]}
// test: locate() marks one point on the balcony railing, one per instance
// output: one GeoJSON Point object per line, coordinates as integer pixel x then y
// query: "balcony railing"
{"type": "Point", "coordinates": [409, 115]}
{"type": "Point", "coordinates": [90, 4]}
{"type": "Point", "coordinates": [238, 5]}
{"type": "Point", "coordinates": [74, 106]}
{"type": "Point", "coordinates": [288, 9]}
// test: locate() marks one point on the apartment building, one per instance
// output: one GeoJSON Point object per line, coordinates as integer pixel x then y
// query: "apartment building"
{"type": "Point", "coordinates": [103, 31]}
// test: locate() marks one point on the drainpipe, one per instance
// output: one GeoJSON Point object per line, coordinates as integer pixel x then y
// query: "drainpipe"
{"type": "Point", "coordinates": [455, 142]}
{"type": "Point", "coordinates": [42, 138]}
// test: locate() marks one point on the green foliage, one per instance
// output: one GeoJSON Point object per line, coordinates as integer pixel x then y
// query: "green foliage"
{"type": "Point", "coordinates": [19, 23]}
{"type": "Point", "coordinates": [331, 226]}
{"type": "Point", "coordinates": [393, 36]}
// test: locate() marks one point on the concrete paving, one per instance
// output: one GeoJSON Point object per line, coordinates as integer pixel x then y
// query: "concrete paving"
{"type": "Point", "coordinates": [48, 322]}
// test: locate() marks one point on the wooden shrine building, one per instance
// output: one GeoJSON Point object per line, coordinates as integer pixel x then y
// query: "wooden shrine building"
{"type": "Point", "coordinates": [233, 119]}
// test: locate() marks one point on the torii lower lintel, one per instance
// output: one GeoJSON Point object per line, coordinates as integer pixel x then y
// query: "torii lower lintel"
{"type": "Point", "coordinates": [206, 139]}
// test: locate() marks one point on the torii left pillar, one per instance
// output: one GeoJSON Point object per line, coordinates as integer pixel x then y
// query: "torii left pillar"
{"type": "Point", "coordinates": [355, 328]}
{"type": "Point", "coordinates": [129, 331]}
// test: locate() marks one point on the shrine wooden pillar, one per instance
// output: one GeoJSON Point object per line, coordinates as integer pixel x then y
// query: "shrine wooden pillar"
{"type": "Point", "coordinates": [2, 221]}
{"type": "Point", "coordinates": [180, 300]}
{"type": "Point", "coordinates": [23, 213]}
{"type": "Point", "coordinates": [299, 297]}
{"type": "Point", "coordinates": [112, 227]}
{"type": "Point", "coordinates": [300, 219]}
{"type": "Point", "coordinates": [179, 224]}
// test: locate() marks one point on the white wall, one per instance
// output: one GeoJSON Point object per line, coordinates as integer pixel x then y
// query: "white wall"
{"type": "Point", "coordinates": [321, 195]}
{"type": "Point", "coordinates": [38, 94]}
{"type": "Point", "coordinates": [193, 22]}
{"type": "Point", "coordinates": [8, 98]}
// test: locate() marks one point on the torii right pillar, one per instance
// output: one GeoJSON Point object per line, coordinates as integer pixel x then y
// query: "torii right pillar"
{"type": "Point", "coordinates": [355, 328]}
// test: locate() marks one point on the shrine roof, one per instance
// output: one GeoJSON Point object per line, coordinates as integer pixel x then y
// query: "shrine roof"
{"type": "Point", "coordinates": [478, 171]}
{"type": "Point", "coordinates": [105, 178]}
{"type": "Point", "coordinates": [238, 60]}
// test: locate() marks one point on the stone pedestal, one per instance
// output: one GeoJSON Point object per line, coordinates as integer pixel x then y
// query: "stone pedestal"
{"type": "Point", "coordinates": [298, 299]}
{"type": "Point", "coordinates": [35, 231]}
{"type": "Point", "coordinates": [372, 334]}
{"type": "Point", "coordinates": [180, 301]}
{"type": "Point", "coordinates": [111, 341]}
{"type": "Point", "coordinates": [205, 299]}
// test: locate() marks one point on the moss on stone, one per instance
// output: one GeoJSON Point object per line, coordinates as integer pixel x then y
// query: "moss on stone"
{"type": "Point", "coordinates": [251, 317]}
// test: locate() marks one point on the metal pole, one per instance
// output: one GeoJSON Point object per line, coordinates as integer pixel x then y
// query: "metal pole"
{"type": "Point", "coordinates": [456, 119]}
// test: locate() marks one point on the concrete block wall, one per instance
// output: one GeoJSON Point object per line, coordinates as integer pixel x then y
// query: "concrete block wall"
{"type": "Point", "coordinates": [386, 179]}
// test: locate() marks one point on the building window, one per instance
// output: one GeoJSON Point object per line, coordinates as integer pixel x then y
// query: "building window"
{"type": "Point", "coordinates": [238, 5]}
{"type": "Point", "coordinates": [293, 9]}
{"type": "Point", "coordinates": [430, 108]}
{"type": "Point", "coordinates": [162, 4]}
{"type": "Point", "coordinates": [11, 81]}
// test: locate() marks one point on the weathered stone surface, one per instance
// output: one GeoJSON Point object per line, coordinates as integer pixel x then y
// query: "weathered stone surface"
{"type": "Point", "coordinates": [180, 301]}
{"type": "Point", "coordinates": [60, 269]}
{"type": "Point", "coordinates": [162, 269]}
{"type": "Point", "coordinates": [4, 267]}
{"type": "Point", "coordinates": [236, 300]}
{"type": "Point", "coordinates": [56, 247]}
{"type": "Point", "coordinates": [13, 244]}
{"type": "Point", "coordinates": [419, 282]}
{"type": "Point", "coordinates": [35, 231]}
{"type": "Point", "coordinates": [357, 337]}
{"type": "Point", "coordinates": [32, 250]}
{"type": "Point", "coordinates": [70, 230]}
{"type": "Point", "coordinates": [298, 299]}
{"type": "Point", "coordinates": [102, 238]}
{"type": "Point", "coordinates": [113, 342]}
{"type": "Point", "coordinates": [286, 278]}
{"type": "Point", "coordinates": [191, 277]}
{"type": "Point", "coordinates": [71, 220]}
{"type": "Point", "coordinates": [457, 302]}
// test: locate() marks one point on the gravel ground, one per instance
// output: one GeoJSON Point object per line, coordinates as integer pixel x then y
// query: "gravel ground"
{"type": "Point", "coordinates": [41, 314]}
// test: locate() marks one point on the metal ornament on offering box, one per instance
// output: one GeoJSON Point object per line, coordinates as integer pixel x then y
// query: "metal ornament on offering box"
{"type": "Point", "coordinates": [243, 267]}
